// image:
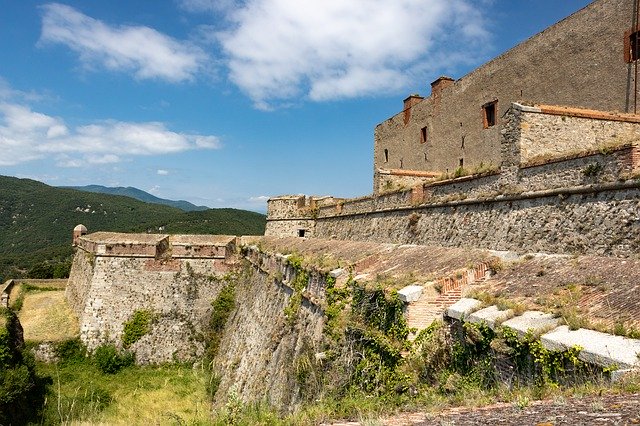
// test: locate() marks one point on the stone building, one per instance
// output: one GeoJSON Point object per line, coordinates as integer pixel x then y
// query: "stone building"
{"type": "Point", "coordinates": [586, 60]}
{"type": "Point", "coordinates": [538, 149]}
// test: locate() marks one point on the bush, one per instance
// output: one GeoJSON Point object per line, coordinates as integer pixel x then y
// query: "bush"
{"type": "Point", "coordinates": [110, 361]}
{"type": "Point", "coordinates": [71, 351]}
{"type": "Point", "coordinates": [136, 327]}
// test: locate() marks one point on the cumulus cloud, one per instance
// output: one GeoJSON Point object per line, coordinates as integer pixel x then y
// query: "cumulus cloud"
{"type": "Point", "coordinates": [144, 51]}
{"type": "Point", "coordinates": [27, 135]}
{"type": "Point", "coordinates": [331, 49]}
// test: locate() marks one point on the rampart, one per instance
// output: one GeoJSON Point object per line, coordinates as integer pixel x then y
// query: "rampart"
{"type": "Point", "coordinates": [579, 193]}
{"type": "Point", "coordinates": [172, 278]}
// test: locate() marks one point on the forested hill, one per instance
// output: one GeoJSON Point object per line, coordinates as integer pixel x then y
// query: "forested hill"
{"type": "Point", "coordinates": [139, 194]}
{"type": "Point", "coordinates": [36, 221]}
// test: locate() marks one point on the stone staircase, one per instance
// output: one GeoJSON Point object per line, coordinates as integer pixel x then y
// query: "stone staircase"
{"type": "Point", "coordinates": [422, 313]}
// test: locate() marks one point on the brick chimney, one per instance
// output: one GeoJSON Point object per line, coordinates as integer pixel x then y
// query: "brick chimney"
{"type": "Point", "coordinates": [408, 103]}
{"type": "Point", "coordinates": [436, 89]}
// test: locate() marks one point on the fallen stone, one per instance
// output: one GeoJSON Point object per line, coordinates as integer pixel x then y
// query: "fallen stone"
{"type": "Point", "coordinates": [463, 307]}
{"type": "Point", "coordinates": [491, 316]}
{"type": "Point", "coordinates": [535, 322]}
{"type": "Point", "coordinates": [336, 273]}
{"type": "Point", "coordinates": [598, 348]}
{"type": "Point", "coordinates": [410, 293]}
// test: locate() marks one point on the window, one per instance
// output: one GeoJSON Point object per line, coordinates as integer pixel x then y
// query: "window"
{"type": "Point", "coordinates": [632, 44]}
{"type": "Point", "coordinates": [489, 113]}
{"type": "Point", "coordinates": [386, 155]}
{"type": "Point", "coordinates": [301, 232]}
{"type": "Point", "coordinates": [423, 135]}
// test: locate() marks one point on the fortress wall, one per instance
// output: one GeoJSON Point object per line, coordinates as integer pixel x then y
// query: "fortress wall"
{"type": "Point", "coordinates": [606, 222]}
{"type": "Point", "coordinates": [553, 132]}
{"type": "Point", "coordinates": [259, 352]}
{"type": "Point", "coordinates": [105, 292]}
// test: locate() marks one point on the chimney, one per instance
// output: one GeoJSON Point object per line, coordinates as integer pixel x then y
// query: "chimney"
{"type": "Point", "coordinates": [408, 103]}
{"type": "Point", "coordinates": [439, 84]}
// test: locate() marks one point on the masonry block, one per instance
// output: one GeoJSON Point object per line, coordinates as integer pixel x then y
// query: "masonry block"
{"type": "Point", "coordinates": [535, 322]}
{"type": "Point", "coordinates": [462, 308]}
{"type": "Point", "coordinates": [491, 316]}
{"type": "Point", "coordinates": [410, 293]}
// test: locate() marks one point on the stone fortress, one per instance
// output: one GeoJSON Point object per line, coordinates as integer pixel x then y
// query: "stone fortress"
{"type": "Point", "coordinates": [536, 151]}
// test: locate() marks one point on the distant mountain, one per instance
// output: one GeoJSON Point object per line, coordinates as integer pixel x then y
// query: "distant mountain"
{"type": "Point", "coordinates": [36, 221]}
{"type": "Point", "coordinates": [138, 194]}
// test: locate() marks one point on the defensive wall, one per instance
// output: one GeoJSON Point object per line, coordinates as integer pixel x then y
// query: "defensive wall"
{"type": "Point", "coordinates": [172, 278]}
{"type": "Point", "coordinates": [579, 193]}
{"type": "Point", "coordinates": [586, 60]}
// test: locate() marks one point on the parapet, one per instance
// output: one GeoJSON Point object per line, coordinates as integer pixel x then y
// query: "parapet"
{"type": "Point", "coordinates": [114, 244]}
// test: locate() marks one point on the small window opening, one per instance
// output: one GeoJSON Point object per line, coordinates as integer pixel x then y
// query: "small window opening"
{"type": "Point", "coordinates": [386, 155]}
{"type": "Point", "coordinates": [425, 156]}
{"type": "Point", "coordinates": [401, 163]}
{"type": "Point", "coordinates": [489, 114]}
{"type": "Point", "coordinates": [462, 146]}
{"type": "Point", "coordinates": [461, 163]}
{"type": "Point", "coordinates": [634, 45]}
{"type": "Point", "coordinates": [301, 232]}
{"type": "Point", "coordinates": [423, 135]}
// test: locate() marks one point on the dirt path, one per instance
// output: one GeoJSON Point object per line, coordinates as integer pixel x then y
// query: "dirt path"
{"type": "Point", "coordinates": [594, 410]}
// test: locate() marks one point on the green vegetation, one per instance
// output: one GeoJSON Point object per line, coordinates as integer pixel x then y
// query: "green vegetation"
{"type": "Point", "coordinates": [222, 307]}
{"type": "Point", "coordinates": [136, 327]}
{"type": "Point", "coordinates": [109, 360]}
{"type": "Point", "coordinates": [36, 221]}
{"type": "Point", "coordinates": [18, 383]}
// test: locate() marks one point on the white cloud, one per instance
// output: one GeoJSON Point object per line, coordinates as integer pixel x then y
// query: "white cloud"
{"type": "Point", "coordinates": [278, 50]}
{"type": "Point", "coordinates": [259, 199]}
{"type": "Point", "coordinates": [162, 172]}
{"type": "Point", "coordinates": [27, 135]}
{"type": "Point", "coordinates": [206, 5]}
{"type": "Point", "coordinates": [142, 50]}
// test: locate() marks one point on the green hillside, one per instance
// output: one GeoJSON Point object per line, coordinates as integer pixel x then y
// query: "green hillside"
{"type": "Point", "coordinates": [139, 194]}
{"type": "Point", "coordinates": [36, 222]}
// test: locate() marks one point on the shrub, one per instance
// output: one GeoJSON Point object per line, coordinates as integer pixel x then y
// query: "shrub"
{"type": "Point", "coordinates": [110, 361]}
{"type": "Point", "coordinates": [136, 327]}
{"type": "Point", "coordinates": [70, 351]}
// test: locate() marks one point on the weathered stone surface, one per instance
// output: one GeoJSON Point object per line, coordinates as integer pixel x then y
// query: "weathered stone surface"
{"type": "Point", "coordinates": [462, 308]}
{"type": "Point", "coordinates": [491, 316]}
{"type": "Point", "coordinates": [535, 322]}
{"type": "Point", "coordinates": [336, 272]}
{"type": "Point", "coordinates": [597, 348]}
{"type": "Point", "coordinates": [410, 293]}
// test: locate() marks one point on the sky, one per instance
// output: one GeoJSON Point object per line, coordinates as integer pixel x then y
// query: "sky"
{"type": "Point", "coordinates": [225, 103]}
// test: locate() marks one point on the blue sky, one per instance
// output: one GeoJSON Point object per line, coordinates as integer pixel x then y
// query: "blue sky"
{"type": "Point", "coordinates": [227, 102]}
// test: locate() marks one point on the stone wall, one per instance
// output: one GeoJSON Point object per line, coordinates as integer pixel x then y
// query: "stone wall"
{"type": "Point", "coordinates": [603, 221]}
{"type": "Point", "coordinates": [105, 292]}
{"type": "Point", "coordinates": [258, 353]}
{"type": "Point", "coordinates": [548, 132]}
{"type": "Point", "coordinates": [548, 68]}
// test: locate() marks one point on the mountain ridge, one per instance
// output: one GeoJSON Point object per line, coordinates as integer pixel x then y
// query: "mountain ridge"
{"type": "Point", "coordinates": [138, 194]}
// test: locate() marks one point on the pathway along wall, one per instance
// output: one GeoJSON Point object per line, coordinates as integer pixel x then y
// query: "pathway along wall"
{"type": "Point", "coordinates": [603, 220]}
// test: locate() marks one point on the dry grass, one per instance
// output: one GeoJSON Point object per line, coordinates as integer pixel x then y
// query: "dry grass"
{"type": "Point", "coordinates": [45, 316]}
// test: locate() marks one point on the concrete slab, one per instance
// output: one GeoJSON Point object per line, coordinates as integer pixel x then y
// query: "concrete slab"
{"type": "Point", "coordinates": [598, 348]}
{"type": "Point", "coordinates": [491, 316]}
{"type": "Point", "coordinates": [336, 272]}
{"type": "Point", "coordinates": [410, 293]}
{"type": "Point", "coordinates": [463, 307]}
{"type": "Point", "coordinates": [535, 321]}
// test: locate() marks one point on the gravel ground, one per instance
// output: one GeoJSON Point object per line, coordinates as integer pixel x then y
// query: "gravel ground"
{"type": "Point", "coordinates": [594, 410]}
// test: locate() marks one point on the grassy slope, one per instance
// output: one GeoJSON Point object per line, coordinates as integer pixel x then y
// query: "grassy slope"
{"type": "Point", "coordinates": [36, 221]}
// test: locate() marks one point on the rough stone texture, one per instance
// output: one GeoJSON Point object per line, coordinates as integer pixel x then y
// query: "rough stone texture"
{"type": "Point", "coordinates": [463, 308]}
{"type": "Point", "coordinates": [106, 290]}
{"type": "Point", "coordinates": [548, 68]}
{"type": "Point", "coordinates": [257, 355]}
{"type": "Point", "coordinates": [597, 348]}
{"type": "Point", "coordinates": [602, 223]}
{"type": "Point", "coordinates": [534, 322]}
{"type": "Point", "coordinates": [544, 136]}
{"type": "Point", "coordinates": [491, 316]}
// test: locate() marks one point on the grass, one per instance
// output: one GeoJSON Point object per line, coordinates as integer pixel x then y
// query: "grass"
{"type": "Point", "coordinates": [173, 394]}
{"type": "Point", "coordinates": [46, 317]}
